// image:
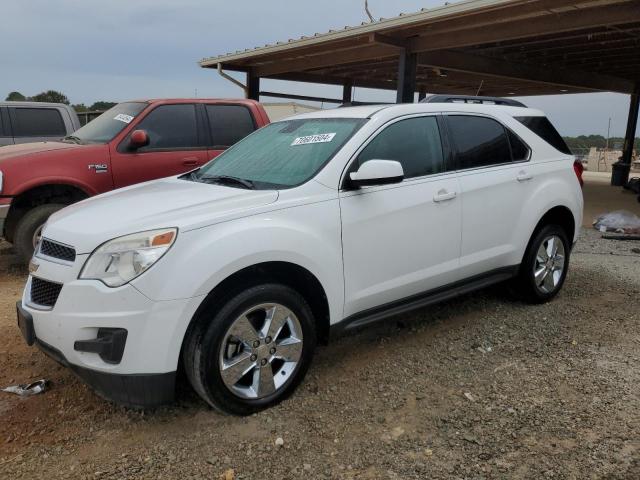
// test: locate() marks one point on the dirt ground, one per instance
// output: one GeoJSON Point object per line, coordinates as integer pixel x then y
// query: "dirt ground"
{"type": "Point", "coordinates": [477, 388]}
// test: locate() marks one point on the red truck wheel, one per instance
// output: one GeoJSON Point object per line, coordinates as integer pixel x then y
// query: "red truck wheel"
{"type": "Point", "coordinates": [28, 229]}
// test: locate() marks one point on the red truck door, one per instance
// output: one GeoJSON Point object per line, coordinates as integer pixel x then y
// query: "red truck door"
{"type": "Point", "coordinates": [227, 124]}
{"type": "Point", "coordinates": [176, 145]}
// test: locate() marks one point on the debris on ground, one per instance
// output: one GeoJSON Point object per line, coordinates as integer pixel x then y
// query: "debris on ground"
{"type": "Point", "coordinates": [229, 474]}
{"type": "Point", "coordinates": [618, 221]}
{"type": "Point", "coordinates": [28, 389]}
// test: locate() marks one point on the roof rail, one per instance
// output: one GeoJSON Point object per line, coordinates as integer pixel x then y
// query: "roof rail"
{"type": "Point", "coordinates": [472, 99]}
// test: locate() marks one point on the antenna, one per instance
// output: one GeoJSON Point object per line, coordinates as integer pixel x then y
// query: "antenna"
{"type": "Point", "coordinates": [480, 87]}
{"type": "Point", "coordinates": [366, 9]}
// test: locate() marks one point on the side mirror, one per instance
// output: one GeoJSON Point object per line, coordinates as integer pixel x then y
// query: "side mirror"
{"type": "Point", "coordinates": [138, 139]}
{"type": "Point", "coordinates": [377, 172]}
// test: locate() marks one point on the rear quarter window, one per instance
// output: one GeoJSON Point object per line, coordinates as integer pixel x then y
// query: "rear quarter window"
{"type": "Point", "coordinates": [38, 122]}
{"type": "Point", "coordinates": [542, 127]}
{"type": "Point", "coordinates": [229, 124]}
{"type": "Point", "coordinates": [479, 141]}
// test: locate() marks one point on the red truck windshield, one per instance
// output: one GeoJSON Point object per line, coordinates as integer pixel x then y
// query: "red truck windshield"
{"type": "Point", "coordinates": [109, 124]}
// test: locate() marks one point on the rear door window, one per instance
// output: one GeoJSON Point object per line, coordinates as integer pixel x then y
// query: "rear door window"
{"type": "Point", "coordinates": [229, 124]}
{"type": "Point", "coordinates": [37, 122]}
{"type": "Point", "coordinates": [479, 141]}
{"type": "Point", "coordinates": [414, 142]}
{"type": "Point", "coordinates": [171, 127]}
{"type": "Point", "coordinates": [519, 150]}
{"type": "Point", "coordinates": [542, 127]}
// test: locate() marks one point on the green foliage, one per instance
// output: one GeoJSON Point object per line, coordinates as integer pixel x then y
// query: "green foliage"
{"type": "Point", "coordinates": [102, 105]}
{"type": "Point", "coordinates": [80, 107]}
{"type": "Point", "coordinates": [50, 96]}
{"type": "Point", "coordinates": [598, 141]}
{"type": "Point", "coordinates": [15, 97]}
{"type": "Point", "coordinates": [54, 96]}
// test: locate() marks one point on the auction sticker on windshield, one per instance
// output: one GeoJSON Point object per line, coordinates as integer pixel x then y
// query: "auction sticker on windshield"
{"type": "Point", "coordinates": [123, 118]}
{"type": "Point", "coordinates": [319, 138]}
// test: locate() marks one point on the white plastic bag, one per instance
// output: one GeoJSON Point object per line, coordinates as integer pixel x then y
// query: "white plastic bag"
{"type": "Point", "coordinates": [619, 221]}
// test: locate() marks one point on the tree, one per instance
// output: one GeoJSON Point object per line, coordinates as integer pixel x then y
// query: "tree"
{"type": "Point", "coordinates": [102, 105]}
{"type": "Point", "coordinates": [51, 96]}
{"type": "Point", "coordinates": [80, 107]}
{"type": "Point", "coordinates": [15, 97]}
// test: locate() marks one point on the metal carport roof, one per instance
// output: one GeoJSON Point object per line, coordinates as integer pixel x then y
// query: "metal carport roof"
{"type": "Point", "coordinates": [474, 47]}
{"type": "Point", "coordinates": [510, 47]}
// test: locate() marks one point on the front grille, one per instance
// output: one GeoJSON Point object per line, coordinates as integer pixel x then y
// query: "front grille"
{"type": "Point", "coordinates": [44, 293]}
{"type": "Point", "coordinates": [57, 250]}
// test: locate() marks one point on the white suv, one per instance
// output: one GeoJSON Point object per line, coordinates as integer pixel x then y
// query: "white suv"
{"type": "Point", "coordinates": [313, 225]}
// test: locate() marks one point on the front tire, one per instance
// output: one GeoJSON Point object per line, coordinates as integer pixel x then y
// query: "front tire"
{"type": "Point", "coordinates": [27, 232]}
{"type": "Point", "coordinates": [544, 266]}
{"type": "Point", "coordinates": [251, 352]}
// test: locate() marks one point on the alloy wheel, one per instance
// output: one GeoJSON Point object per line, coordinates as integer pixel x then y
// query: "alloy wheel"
{"type": "Point", "coordinates": [549, 264]}
{"type": "Point", "coordinates": [261, 351]}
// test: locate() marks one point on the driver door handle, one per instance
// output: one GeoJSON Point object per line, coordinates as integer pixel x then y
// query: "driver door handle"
{"type": "Point", "coordinates": [190, 161]}
{"type": "Point", "coordinates": [443, 196]}
{"type": "Point", "coordinates": [524, 176]}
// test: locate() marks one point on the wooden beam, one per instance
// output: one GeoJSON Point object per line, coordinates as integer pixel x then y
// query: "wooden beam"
{"type": "Point", "coordinates": [301, 97]}
{"type": "Point", "coordinates": [387, 40]}
{"type": "Point", "coordinates": [536, 26]}
{"type": "Point", "coordinates": [334, 80]}
{"type": "Point", "coordinates": [253, 86]}
{"type": "Point", "coordinates": [347, 91]}
{"type": "Point", "coordinates": [407, 67]}
{"type": "Point", "coordinates": [632, 123]}
{"type": "Point", "coordinates": [465, 62]}
{"type": "Point", "coordinates": [326, 60]}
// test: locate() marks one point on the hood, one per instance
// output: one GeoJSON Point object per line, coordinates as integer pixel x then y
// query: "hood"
{"type": "Point", "coordinates": [22, 149]}
{"type": "Point", "coordinates": [169, 202]}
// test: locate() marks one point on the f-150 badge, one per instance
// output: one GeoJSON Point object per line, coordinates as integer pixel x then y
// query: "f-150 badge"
{"type": "Point", "coordinates": [99, 167]}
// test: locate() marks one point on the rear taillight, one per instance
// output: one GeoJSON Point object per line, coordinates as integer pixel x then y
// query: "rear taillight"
{"type": "Point", "coordinates": [578, 168]}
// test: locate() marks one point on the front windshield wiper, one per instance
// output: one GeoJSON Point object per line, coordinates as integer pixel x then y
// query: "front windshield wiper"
{"type": "Point", "coordinates": [73, 139]}
{"type": "Point", "coordinates": [228, 180]}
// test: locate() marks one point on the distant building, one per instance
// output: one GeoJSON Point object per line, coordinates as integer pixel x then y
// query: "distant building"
{"type": "Point", "coordinates": [278, 111]}
{"type": "Point", "coordinates": [600, 160]}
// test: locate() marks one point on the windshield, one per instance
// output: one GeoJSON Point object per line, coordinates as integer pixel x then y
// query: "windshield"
{"type": "Point", "coordinates": [283, 154]}
{"type": "Point", "coordinates": [109, 124]}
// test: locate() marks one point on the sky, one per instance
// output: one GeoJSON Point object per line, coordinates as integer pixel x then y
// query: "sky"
{"type": "Point", "coordinates": [118, 50]}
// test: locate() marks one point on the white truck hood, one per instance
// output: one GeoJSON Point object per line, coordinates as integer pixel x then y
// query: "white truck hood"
{"type": "Point", "coordinates": [169, 202]}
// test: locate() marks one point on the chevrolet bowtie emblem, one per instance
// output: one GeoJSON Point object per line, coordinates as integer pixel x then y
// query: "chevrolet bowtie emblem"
{"type": "Point", "coordinates": [33, 266]}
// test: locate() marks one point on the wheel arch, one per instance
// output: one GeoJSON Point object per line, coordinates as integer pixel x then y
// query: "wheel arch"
{"type": "Point", "coordinates": [558, 215]}
{"type": "Point", "coordinates": [42, 194]}
{"type": "Point", "coordinates": [290, 274]}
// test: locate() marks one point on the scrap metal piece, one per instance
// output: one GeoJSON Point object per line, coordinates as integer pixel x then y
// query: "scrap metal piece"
{"type": "Point", "coordinates": [28, 389]}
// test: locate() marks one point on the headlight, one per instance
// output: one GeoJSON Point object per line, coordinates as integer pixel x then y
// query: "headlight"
{"type": "Point", "coordinates": [124, 258]}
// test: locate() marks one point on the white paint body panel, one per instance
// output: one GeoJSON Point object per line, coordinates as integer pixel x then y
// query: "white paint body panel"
{"type": "Point", "coordinates": [367, 247]}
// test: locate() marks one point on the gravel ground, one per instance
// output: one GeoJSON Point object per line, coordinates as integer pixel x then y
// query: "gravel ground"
{"type": "Point", "coordinates": [479, 387]}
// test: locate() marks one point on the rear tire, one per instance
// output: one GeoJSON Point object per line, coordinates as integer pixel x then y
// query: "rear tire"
{"type": "Point", "coordinates": [29, 226]}
{"type": "Point", "coordinates": [544, 266]}
{"type": "Point", "coordinates": [238, 360]}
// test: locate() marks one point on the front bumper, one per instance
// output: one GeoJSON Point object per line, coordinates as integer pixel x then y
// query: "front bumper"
{"type": "Point", "coordinates": [4, 213]}
{"type": "Point", "coordinates": [136, 391]}
{"type": "Point", "coordinates": [143, 374]}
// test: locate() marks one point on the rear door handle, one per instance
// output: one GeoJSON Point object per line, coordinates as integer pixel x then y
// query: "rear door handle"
{"type": "Point", "coordinates": [443, 196]}
{"type": "Point", "coordinates": [524, 176]}
{"type": "Point", "coordinates": [190, 161]}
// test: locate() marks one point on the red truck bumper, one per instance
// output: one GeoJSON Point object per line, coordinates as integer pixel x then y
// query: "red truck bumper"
{"type": "Point", "coordinates": [5, 204]}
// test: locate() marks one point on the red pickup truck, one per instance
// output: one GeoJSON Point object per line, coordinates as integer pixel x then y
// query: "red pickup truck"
{"type": "Point", "coordinates": [132, 142]}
